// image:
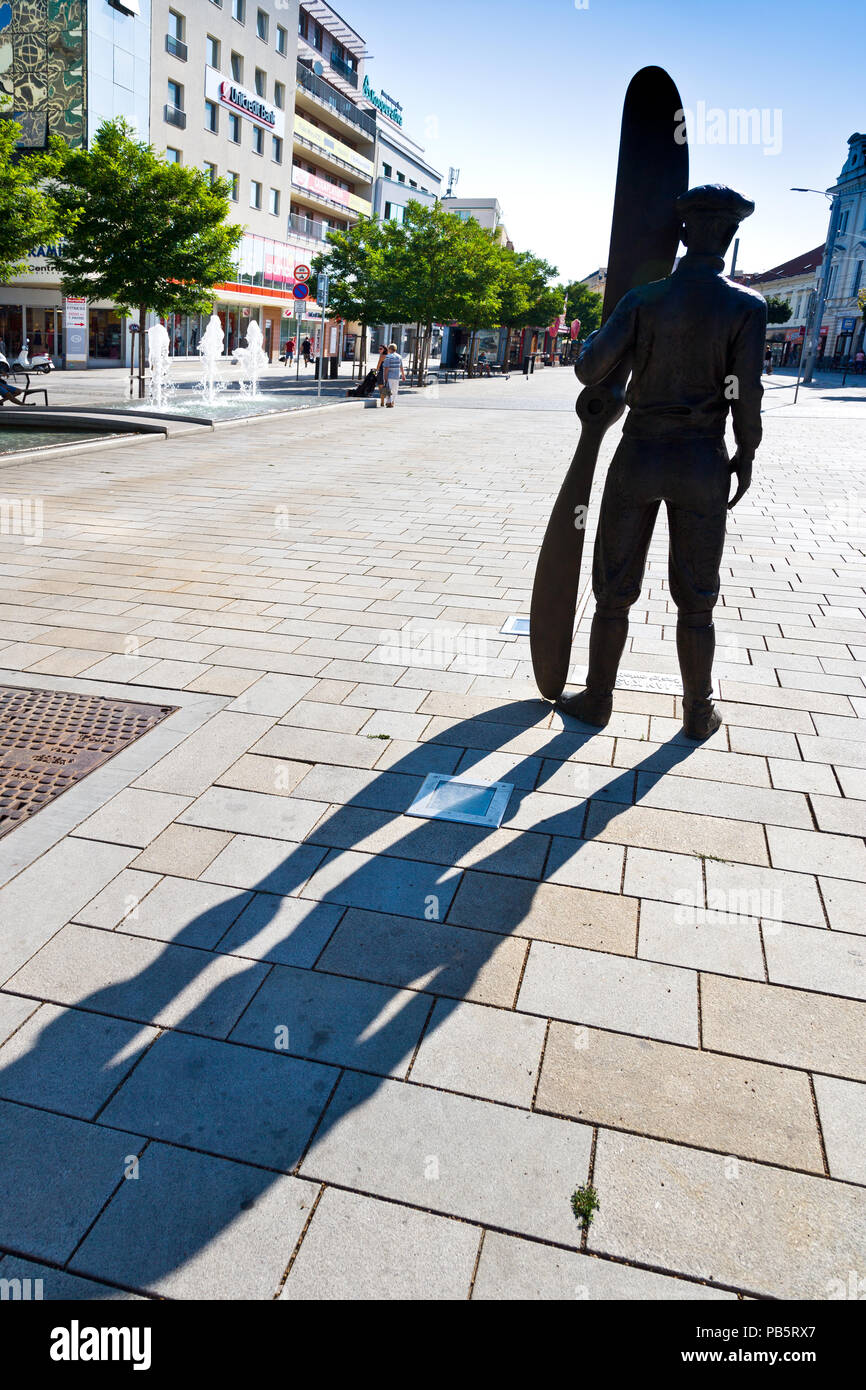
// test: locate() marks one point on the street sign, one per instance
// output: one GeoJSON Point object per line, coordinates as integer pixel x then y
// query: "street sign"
{"type": "Point", "coordinates": [302, 273]}
{"type": "Point", "coordinates": [301, 292]}
{"type": "Point", "coordinates": [323, 285]}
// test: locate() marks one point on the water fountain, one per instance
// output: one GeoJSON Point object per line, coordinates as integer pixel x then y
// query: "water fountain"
{"type": "Point", "coordinates": [252, 359]}
{"type": "Point", "coordinates": [211, 347]}
{"type": "Point", "coordinates": [160, 383]}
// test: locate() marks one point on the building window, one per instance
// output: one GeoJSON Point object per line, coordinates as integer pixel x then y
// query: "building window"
{"type": "Point", "coordinates": [412, 183]}
{"type": "Point", "coordinates": [261, 83]}
{"type": "Point", "coordinates": [275, 202]}
{"type": "Point", "coordinates": [212, 46]}
{"type": "Point", "coordinates": [172, 155]}
{"type": "Point", "coordinates": [279, 94]}
{"type": "Point", "coordinates": [858, 275]}
{"type": "Point", "coordinates": [234, 190]}
{"type": "Point", "coordinates": [258, 140]}
{"type": "Point", "coordinates": [317, 36]}
{"type": "Point", "coordinates": [262, 25]}
{"type": "Point", "coordinates": [843, 220]}
{"type": "Point", "coordinates": [393, 212]}
{"type": "Point", "coordinates": [255, 194]}
{"type": "Point", "coordinates": [387, 170]}
{"type": "Point", "coordinates": [175, 25]}
{"type": "Point", "coordinates": [277, 149]}
{"type": "Point", "coordinates": [282, 40]}
{"type": "Point", "coordinates": [239, 10]}
{"type": "Point", "coordinates": [210, 171]}
{"type": "Point", "coordinates": [401, 178]}
{"type": "Point", "coordinates": [175, 99]}
{"type": "Point", "coordinates": [211, 116]}
{"type": "Point", "coordinates": [174, 39]}
{"type": "Point", "coordinates": [234, 128]}
{"type": "Point", "coordinates": [303, 23]}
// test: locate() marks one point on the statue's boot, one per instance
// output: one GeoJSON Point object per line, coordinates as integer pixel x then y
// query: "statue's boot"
{"type": "Point", "coordinates": [594, 705]}
{"type": "Point", "coordinates": [696, 648]}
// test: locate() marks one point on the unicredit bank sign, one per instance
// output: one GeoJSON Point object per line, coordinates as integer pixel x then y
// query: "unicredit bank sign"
{"type": "Point", "coordinates": [229, 93]}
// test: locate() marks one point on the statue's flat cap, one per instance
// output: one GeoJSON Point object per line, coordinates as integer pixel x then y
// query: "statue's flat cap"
{"type": "Point", "coordinates": [715, 198]}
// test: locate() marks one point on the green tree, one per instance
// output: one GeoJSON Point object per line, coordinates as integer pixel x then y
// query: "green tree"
{"type": "Point", "coordinates": [584, 304]}
{"type": "Point", "coordinates": [354, 260]}
{"type": "Point", "coordinates": [778, 310]}
{"type": "Point", "coordinates": [138, 230]}
{"type": "Point", "coordinates": [26, 214]}
{"type": "Point", "coordinates": [527, 298]}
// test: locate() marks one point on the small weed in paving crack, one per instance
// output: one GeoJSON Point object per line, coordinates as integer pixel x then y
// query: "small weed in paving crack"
{"type": "Point", "coordinates": [385, 736]}
{"type": "Point", "coordinates": [584, 1204]}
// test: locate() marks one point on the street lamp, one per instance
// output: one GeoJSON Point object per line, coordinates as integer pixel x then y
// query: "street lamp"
{"type": "Point", "coordinates": [811, 348]}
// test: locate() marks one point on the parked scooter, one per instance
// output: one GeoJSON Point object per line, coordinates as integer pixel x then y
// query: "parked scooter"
{"type": "Point", "coordinates": [40, 363]}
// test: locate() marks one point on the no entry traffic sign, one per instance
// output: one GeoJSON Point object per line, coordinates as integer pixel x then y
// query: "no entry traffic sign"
{"type": "Point", "coordinates": [302, 273]}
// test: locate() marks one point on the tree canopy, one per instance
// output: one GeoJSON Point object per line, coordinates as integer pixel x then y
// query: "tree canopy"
{"type": "Point", "coordinates": [584, 304]}
{"type": "Point", "coordinates": [778, 310]}
{"type": "Point", "coordinates": [27, 215]}
{"type": "Point", "coordinates": [137, 229]}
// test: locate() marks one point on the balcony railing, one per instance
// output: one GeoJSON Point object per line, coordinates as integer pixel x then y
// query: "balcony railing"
{"type": "Point", "coordinates": [306, 226]}
{"type": "Point", "coordinates": [176, 47]}
{"type": "Point", "coordinates": [324, 153]}
{"type": "Point", "coordinates": [329, 95]}
{"type": "Point", "coordinates": [174, 116]}
{"type": "Point", "coordinates": [344, 69]}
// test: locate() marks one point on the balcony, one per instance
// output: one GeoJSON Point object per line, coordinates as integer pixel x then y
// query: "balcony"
{"type": "Point", "coordinates": [174, 116]}
{"type": "Point", "coordinates": [176, 47]}
{"type": "Point", "coordinates": [345, 69]}
{"type": "Point", "coordinates": [330, 97]}
{"type": "Point", "coordinates": [307, 227]}
{"type": "Point", "coordinates": [322, 153]}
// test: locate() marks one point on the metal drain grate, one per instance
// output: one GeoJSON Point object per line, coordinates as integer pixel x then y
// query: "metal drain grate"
{"type": "Point", "coordinates": [50, 739]}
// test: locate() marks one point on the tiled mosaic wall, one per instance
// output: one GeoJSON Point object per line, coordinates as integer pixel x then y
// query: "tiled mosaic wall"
{"type": "Point", "coordinates": [42, 68]}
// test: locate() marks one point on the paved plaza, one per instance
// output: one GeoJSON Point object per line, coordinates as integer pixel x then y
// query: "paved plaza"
{"type": "Point", "coordinates": [265, 1035]}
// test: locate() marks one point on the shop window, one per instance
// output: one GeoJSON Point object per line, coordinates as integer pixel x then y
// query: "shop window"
{"type": "Point", "coordinates": [106, 333]}
{"type": "Point", "coordinates": [11, 330]}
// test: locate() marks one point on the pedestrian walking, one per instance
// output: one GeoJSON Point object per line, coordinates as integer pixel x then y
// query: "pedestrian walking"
{"type": "Point", "coordinates": [859, 362]}
{"type": "Point", "coordinates": [380, 374]}
{"type": "Point", "coordinates": [768, 360]}
{"type": "Point", "coordinates": [394, 373]}
{"type": "Point", "coordinates": [290, 351]}
{"type": "Point", "coordinates": [306, 349]}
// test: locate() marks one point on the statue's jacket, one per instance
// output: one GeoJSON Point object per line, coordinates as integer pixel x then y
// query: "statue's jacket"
{"type": "Point", "coordinates": [695, 343]}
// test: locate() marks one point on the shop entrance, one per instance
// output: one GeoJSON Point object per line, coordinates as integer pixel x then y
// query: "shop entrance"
{"type": "Point", "coordinates": [45, 333]}
{"type": "Point", "coordinates": [11, 330]}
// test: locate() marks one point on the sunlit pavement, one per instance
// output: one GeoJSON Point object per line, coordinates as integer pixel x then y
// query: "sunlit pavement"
{"type": "Point", "coordinates": [266, 1034]}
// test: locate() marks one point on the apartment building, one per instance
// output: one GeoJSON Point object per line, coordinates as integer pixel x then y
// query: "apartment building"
{"type": "Point", "coordinates": [334, 140]}
{"type": "Point", "coordinates": [795, 281]}
{"type": "Point", "coordinates": [222, 99]}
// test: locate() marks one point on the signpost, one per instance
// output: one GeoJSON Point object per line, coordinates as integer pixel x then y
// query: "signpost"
{"type": "Point", "coordinates": [323, 287]}
{"type": "Point", "coordinates": [300, 292]}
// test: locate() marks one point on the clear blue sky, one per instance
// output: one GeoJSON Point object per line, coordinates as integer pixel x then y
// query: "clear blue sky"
{"type": "Point", "coordinates": [526, 98]}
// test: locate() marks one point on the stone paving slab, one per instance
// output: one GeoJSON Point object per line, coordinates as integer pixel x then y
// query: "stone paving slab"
{"type": "Point", "coordinates": [359, 1249]}
{"type": "Point", "coordinates": [192, 1226]}
{"type": "Point", "coordinates": [744, 1225]}
{"type": "Point", "coordinates": [449, 1154]}
{"type": "Point", "coordinates": [515, 1270]}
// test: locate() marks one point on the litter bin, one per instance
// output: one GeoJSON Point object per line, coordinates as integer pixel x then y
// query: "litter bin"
{"type": "Point", "coordinates": [320, 371]}
{"type": "Point", "coordinates": [335, 367]}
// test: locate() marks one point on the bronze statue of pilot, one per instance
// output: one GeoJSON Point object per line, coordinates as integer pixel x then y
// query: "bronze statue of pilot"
{"type": "Point", "coordinates": [695, 342]}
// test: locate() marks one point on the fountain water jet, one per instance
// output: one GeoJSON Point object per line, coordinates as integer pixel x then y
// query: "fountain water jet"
{"type": "Point", "coordinates": [252, 359]}
{"type": "Point", "coordinates": [211, 348]}
{"type": "Point", "coordinates": [160, 368]}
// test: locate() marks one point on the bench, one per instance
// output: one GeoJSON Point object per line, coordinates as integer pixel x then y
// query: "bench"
{"type": "Point", "coordinates": [17, 395]}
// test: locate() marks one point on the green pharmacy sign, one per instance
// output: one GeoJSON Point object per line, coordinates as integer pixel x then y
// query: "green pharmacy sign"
{"type": "Point", "coordinates": [387, 105]}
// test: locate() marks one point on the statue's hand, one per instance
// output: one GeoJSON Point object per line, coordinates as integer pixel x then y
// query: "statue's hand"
{"type": "Point", "coordinates": [741, 465]}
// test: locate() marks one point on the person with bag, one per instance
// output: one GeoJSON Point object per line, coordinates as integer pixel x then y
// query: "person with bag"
{"type": "Point", "coordinates": [380, 374]}
{"type": "Point", "coordinates": [393, 372]}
